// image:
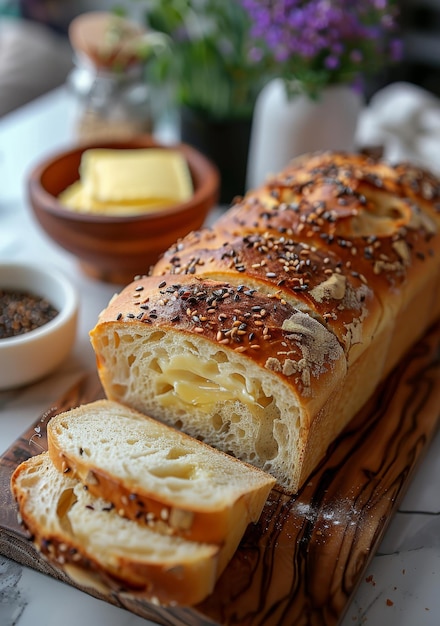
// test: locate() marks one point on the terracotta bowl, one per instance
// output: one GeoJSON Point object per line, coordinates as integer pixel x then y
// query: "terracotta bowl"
{"type": "Point", "coordinates": [117, 248]}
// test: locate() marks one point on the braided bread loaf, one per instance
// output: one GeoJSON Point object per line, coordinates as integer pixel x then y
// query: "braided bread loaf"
{"type": "Point", "coordinates": [266, 333]}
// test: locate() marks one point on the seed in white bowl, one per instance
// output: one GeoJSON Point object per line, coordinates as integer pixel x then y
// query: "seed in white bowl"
{"type": "Point", "coordinates": [22, 311]}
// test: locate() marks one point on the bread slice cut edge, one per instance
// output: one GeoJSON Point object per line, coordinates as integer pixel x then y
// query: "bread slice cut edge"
{"type": "Point", "coordinates": [156, 475]}
{"type": "Point", "coordinates": [85, 537]}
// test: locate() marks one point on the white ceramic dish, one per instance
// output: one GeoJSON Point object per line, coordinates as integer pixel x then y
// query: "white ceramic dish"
{"type": "Point", "coordinates": [28, 357]}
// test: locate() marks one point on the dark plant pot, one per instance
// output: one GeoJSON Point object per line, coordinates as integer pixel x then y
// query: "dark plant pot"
{"type": "Point", "coordinates": [226, 143]}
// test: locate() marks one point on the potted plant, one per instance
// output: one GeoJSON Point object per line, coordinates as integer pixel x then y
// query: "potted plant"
{"type": "Point", "coordinates": [215, 74]}
{"type": "Point", "coordinates": [321, 52]}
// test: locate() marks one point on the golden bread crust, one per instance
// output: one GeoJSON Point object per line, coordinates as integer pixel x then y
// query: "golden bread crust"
{"type": "Point", "coordinates": [352, 243]}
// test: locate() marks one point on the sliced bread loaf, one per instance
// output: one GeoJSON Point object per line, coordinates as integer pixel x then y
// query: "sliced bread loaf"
{"type": "Point", "coordinates": [156, 475]}
{"type": "Point", "coordinates": [94, 545]}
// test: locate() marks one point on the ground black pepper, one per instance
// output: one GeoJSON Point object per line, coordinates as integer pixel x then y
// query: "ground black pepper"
{"type": "Point", "coordinates": [22, 311]}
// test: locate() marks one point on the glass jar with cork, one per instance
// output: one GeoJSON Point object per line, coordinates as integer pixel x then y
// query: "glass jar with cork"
{"type": "Point", "coordinates": [112, 98]}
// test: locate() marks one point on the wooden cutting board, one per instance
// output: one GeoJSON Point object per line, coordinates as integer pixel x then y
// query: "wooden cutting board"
{"type": "Point", "coordinates": [302, 562]}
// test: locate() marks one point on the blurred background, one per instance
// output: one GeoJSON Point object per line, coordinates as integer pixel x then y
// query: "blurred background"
{"type": "Point", "coordinates": [420, 25]}
{"type": "Point", "coordinates": [35, 54]}
{"type": "Point", "coordinates": [209, 76]}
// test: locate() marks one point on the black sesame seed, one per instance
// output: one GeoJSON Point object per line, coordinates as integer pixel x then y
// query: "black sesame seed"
{"type": "Point", "coordinates": [22, 311]}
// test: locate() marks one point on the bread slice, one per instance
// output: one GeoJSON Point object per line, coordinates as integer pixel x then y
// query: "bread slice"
{"type": "Point", "coordinates": [85, 537]}
{"type": "Point", "coordinates": [156, 475]}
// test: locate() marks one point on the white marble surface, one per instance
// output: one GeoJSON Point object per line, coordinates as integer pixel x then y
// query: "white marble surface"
{"type": "Point", "coordinates": [401, 585]}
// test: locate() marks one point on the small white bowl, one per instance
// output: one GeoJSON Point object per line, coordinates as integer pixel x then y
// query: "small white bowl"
{"type": "Point", "coordinates": [28, 357]}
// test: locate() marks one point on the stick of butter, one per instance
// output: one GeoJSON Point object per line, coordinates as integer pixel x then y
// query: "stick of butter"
{"type": "Point", "coordinates": [75, 198]}
{"type": "Point", "coordinates": [129, 181]}
{"type": "Point", "coordinates": [118, 175]}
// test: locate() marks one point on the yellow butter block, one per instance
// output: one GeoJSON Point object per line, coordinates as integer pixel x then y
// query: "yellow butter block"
{"type": "Point", "coordinates": [135, 175]}
{"type": "Point", "coordinates": [75, 198]}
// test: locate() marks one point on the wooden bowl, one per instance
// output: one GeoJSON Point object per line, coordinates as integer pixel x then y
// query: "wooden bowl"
{"type": "Point", "coordinates": [117, 248]}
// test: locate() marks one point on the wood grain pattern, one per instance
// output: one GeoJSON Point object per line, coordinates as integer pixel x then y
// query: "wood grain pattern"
{"type": "Point", "coordinates": [302, 562]}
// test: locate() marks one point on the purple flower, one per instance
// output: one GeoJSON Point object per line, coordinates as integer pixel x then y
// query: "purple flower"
{"type": "Point", "coordinates": [356, 56]}
{"type": "Point", "coordinates": [337, 39]}
{"type": "Point", "coordinates": [396, 49]}
{"type": "Point", "coordinates": [331, 62]}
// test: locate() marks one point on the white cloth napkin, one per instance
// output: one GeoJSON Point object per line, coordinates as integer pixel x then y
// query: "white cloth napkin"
{"type": "Point", "coordinates": [404, 120]}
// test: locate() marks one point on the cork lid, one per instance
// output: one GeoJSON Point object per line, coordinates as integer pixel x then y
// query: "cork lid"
{"type": "Point", "coordinates": [107, 40]}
